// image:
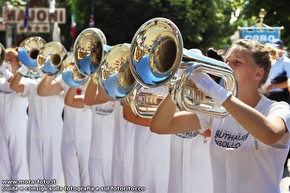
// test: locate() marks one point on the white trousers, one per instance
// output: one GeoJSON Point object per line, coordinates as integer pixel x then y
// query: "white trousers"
{"type": "Point", "coordinates": [75, 160]}
{"type": "Point", "coordinates": [44, 158]}
{"type": "Point", "coordinates": [13, 162]}
{"type": "Point", "coordinates": [151, 160]}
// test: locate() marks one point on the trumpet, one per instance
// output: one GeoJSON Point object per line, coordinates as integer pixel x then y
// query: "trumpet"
{"type": "Point", "coordinates": [157, 54]}
{"type": "Point", "coordinates": [50, 58]}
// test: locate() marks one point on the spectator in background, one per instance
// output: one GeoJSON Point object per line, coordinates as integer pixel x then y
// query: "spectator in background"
{"type": "Point", "coordinates": [278, 83]}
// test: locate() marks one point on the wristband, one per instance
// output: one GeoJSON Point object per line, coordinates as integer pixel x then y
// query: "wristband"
{"type": "Point", "coordinates": [210, 88]}
{"type": "Point", "coordinates": [23, 70]}
{"type": "Point", "coordinates": [221, 96]}
{"type": "Point", "coordinates": [7, 74]}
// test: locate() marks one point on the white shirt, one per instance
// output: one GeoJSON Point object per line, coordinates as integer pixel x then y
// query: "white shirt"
{"type": "Point", "coordinates": [242, 163]}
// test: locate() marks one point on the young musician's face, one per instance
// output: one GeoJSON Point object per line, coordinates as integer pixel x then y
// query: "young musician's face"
{"type": "Point", "coordinates": [12, 60]}
{"type": "Point", "coordinates": [244, 67]}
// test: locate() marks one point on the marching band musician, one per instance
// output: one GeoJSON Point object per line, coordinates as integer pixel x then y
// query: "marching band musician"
{"type": "Point", "coordinates": [171, 155]}
{"type": "Point", "coordinates": [190, 167]}
{"type": "Point", "coordinates": [13, 160]}
{"type": "Point", "coordinates": [76, 133]}
{"type": "Point", "coordinates": [249, 146]}
{"type": "Point", "coordinates": [151, 152]}
{"type": "Point", "coordinates": [44, 128]}
{"type": "Point", "coordinates": [104, 118]}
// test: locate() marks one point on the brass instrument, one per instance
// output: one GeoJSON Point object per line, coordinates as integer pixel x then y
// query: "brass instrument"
{"type": "Point", "coordinates": [117, 80]}
{"type": "Point", "coordinates": [85, 59]}
{"type": "Point", "coordinates": [88, 49]}
{"type": "Point", "coordinates": [28, 51]}
{"type": "Point", "coordinates": [70, 74]}
{"type": "Point", "coordinates": [188, 97]}
{"type": "Point", "coordinates": [145, 100]}
{"type": "Point", "coordinates": [2, 57]}
{"type": "Point", "coordinates": [156, 52]}
{"type": "Point", "coordinates": [114, 74]}
{"type": "Point", "coordinates": [50, 58]}
{"type": "Point", "coordinates": [2, 54]}
{"type": "Point", "coordinates": [156, 56]}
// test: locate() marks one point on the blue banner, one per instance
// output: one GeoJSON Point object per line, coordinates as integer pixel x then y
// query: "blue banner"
{"type": "Point", "coordinates": [261, 34]}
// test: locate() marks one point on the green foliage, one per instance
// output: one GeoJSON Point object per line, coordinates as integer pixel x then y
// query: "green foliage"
{"type": "Point", "coordinates": [203, 24]}
{"type": "Point", "coordinates": [276, 15]}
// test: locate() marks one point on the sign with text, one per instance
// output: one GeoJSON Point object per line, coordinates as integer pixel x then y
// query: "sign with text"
{"type": "Point", "coordinates": [39, 19]}
{"type": "Point", "coordinates": [36, 28]}
{"type": "Point", "coordinates": [261, 34]}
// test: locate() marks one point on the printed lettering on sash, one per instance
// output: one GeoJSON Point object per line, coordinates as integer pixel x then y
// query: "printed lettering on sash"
{"type": "Point", "coordinates": [103, 111]}
{"type": "Point", "coordinates": [228, 139]}
{"type": "Point", "coordinates": [187, 134]}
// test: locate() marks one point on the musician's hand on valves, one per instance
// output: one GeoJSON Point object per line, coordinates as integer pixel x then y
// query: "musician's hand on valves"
{"type": "Point", "coordinates": [5, 64]}
{"type": "Point", "coordinates": [5, 72]}
{"type": "Point", "coordinates": [23, 70]}
{"type": "Point", "coordinates": [210, 88]}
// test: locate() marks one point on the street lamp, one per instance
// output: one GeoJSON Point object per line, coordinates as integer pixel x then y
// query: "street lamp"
{"type": "Point", "coordinates": [262, 14]}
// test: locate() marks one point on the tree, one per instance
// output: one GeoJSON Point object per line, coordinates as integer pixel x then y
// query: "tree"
{"type": "Point", "coordinates": [203, 24]}
{"type": "Point", "coordinates": [276, 15]}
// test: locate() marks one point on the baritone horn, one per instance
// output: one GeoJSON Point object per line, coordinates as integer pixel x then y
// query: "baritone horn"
{"type": "Point", "coordinates": [117, 80]}
{"type": "Point", "coordinates": [108, 66]}
{"type": "Point", "coordinates": [157, 55]}
{"type": "Point", "coordinates": [85, 59]}
{"type": "Point", "coordinates": [50, 58]}
{"type": "Point", "coordinates": [70, 74]}
{"type": "Point", "coordinates": [2, 54]}
{"type": "Point", "coordinates": [156, 52]}
{"type": "Point", "coordinates": [27, 53]}
{"type": "Point", "coordinates": [88, 50]}
{"type": "Point", "coordinates": [188, 97]}
{"type": "Point", "coordinates": [114, 74]}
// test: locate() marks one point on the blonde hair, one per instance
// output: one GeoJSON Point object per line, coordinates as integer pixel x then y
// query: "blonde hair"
{"type": "Point", "coordinates": [263, 55]}
{"type": "Point", "coordinates": [12, 51]}
{"type": "Point", "coordinates": [275, 52]}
